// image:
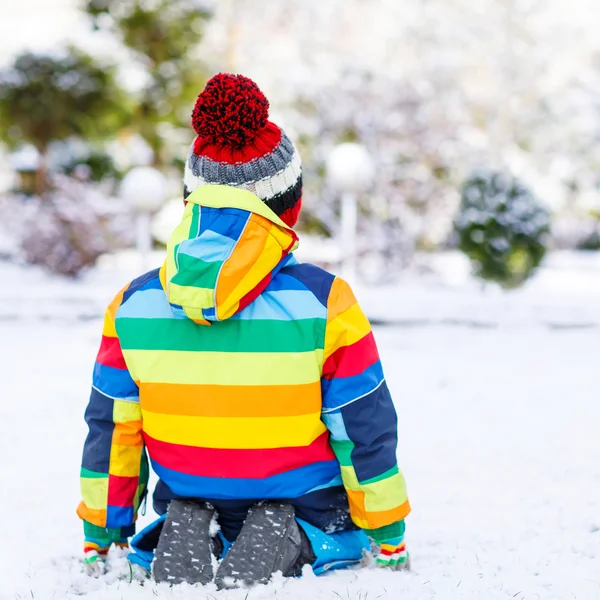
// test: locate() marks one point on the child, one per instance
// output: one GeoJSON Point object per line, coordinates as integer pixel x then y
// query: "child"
{"type": "Point", "coordinates": [252, 382]}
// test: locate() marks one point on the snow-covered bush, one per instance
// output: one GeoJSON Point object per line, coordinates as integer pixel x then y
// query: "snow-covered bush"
{"type": "Point", "coordinates": [502, 228]}
{"type": "Point", "coordinates": [67, 228]}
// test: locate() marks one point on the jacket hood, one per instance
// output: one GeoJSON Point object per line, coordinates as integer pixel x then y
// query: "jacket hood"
{"type": "Point", "coordinates": [224, 253]}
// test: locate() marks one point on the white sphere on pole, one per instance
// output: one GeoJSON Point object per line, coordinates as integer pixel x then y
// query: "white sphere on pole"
{"type": "Point", "coordinates": [25, 159]}
{"type": "Point", "coordinates": [167, 219]}
{"type": "Point", "coordinates": [350, 168]}
{"type": "Point", "coordinates": [144, 188]}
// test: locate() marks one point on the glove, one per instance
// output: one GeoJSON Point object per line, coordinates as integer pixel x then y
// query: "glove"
{"type": "Point", "coordinates": [392, 547]}
{"type": "Point", "coordinates": [96, 544]}
{"type": "Point", "coordinates": [393, 555]}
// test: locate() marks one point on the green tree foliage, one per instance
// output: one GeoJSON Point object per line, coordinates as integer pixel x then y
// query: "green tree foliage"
{"type": "Point", "coordinates": [96, 166]}
{"type": "Point", "coordinates": [162, 35]}
{"type": "Point", "coordinates": [502, 228]}
{"type": "Point", "coordinates": [48, 98]}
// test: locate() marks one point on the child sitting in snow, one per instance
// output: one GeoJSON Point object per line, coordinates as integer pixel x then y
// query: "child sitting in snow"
{"type": "Point", "coordinates": [251, 381]}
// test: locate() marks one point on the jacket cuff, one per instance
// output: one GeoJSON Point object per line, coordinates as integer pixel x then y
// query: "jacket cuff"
{"type": "Point", "coordinates": [107, 536]}
{"type": "Point", "coordinates": [387, 532]}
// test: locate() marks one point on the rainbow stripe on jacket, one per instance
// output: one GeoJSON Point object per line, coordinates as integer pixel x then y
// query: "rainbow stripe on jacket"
{"type": "Point", "coordinates": [242, 374]}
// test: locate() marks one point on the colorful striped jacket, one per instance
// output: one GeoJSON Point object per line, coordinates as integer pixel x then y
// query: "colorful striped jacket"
{"type": "Point", "coordinates": [241, 373]}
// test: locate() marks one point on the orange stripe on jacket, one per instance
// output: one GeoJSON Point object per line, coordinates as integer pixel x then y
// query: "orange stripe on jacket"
{"type": "Point", "coordinates": [231, 400]}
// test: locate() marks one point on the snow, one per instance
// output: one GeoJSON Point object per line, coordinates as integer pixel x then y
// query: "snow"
{"type": "Point", "coordinates": [497, 398]}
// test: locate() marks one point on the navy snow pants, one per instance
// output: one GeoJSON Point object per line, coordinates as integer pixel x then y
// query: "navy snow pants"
{"type": "Point", "coordinates": [325, 509]}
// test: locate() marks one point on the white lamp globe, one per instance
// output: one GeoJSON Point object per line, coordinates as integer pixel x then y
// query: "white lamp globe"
{"type": "Point", "coordinates": [25, 159]}
{"type": "Point", "coordinates": [166, 220]}
{"type": "Point", "coordinates": [144, 188]}
{"type": "Point", "coordinates": [350, 168]}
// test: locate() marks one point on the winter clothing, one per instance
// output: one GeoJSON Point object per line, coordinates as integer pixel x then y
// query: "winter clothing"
{"type": "Point", "coordinates": [250, 407]}
{"type": "Point", "coordinates": [100, 539]}
{"type": "Point", "coordinates": [270, 540]}
{"type": "Point", "coordinates": [392, 551]}
{"type": "Point", "coordinates": [326, 508]}
{"type": "Point", "coordinates": [393, 555]}
{"type": "Point", "coordinates": [238, 146]}
{"type": "Point", "coordinates": [243, 375]}
{"type": "Point", "coordinates": [185, 549]}
{"type": "Point", "coordinates": [97, 543]}
{"type": "Point", "coordinates": [334, 550]}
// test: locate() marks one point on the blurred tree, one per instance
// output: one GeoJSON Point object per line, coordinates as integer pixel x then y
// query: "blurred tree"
{"type": "Point", "coordinates": [48, 98]}
{"type": "Point", "coordinates": [162, 35]}
{"type": "Point", "coordinates": [95, 166]}
{"type": "Point", "coordinates": [502, 228]}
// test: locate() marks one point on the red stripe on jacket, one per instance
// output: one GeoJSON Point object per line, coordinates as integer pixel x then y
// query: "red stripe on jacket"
{"type": "Point", "coordinates": [242, 464]}
{"type": "Point", "coordinates": [110, 354]}
{"type": "Point", "coordinates": [121, 490]}
{"type": "Point", "coordinates": [348, 361]}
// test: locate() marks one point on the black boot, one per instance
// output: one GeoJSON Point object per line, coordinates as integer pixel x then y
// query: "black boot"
{"type": "Point", "coordinates": [269, 541]}
{"type": "Point", "coordinates": [184, 551]}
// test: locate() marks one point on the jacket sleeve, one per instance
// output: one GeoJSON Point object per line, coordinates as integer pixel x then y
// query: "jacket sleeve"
{"type": "Point", "coordinates": [361, 418]}
{"type": "Point", "coordinates": [114, 470]}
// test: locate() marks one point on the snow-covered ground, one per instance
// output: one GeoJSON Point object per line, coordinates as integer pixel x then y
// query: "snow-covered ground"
{"type": "Point", "coordinates": [499, 415]}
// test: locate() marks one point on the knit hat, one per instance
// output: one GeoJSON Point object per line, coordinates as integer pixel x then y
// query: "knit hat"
{"type": "Point", "coordinates": [238, 146]}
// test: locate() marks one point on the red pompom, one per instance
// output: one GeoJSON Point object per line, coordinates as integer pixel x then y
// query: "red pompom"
{"type": "Point", "coordinates": [230, 111]}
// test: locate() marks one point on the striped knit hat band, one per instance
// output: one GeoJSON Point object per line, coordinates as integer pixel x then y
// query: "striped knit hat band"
{"type": "Point", "coordinates": [238, 146]}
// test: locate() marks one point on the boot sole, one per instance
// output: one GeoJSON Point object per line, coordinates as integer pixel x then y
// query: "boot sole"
{"type": "Point", "coordinates": [270, 541]}
{"type": "Point", "coordinates": [183, 554]}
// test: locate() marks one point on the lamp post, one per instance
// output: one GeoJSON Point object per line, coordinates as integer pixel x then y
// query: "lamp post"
{"type": "Point", "coordinates": [26, 161]}
{"type": "Point", "coordinates": [145, 190]}
{"type": "Point", "coordinates": [350, 170]}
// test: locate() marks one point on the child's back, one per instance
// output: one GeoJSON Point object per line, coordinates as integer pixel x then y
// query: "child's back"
{"type": "Point", "coordinates": [243, 375]}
